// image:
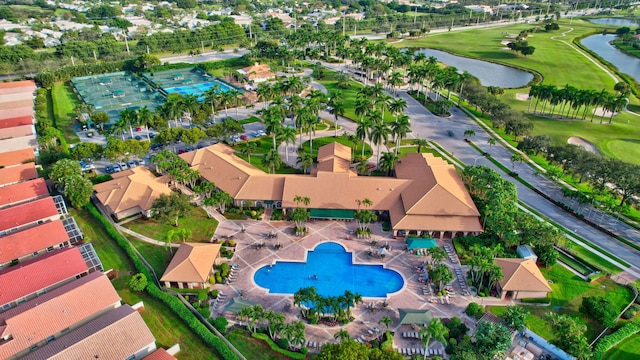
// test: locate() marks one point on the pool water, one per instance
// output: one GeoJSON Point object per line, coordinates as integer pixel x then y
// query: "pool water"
{"type": "Point", "coordinates": [329, 268]}
{"type": "Point", "coordinates": [197, 89]}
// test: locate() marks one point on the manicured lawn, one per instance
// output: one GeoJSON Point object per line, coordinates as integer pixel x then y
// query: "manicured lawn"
{"type": "Point", "coordinates": [64, 104]}
{"type": "Point", "coordinates": [252, 348]}
{"type": "Point", "coordinates": [166, 327]}
{"type": "Point", "coordinates": [629, 349]}
{"type": "Point", "coordinates": [157, 256]}
{"type": "Point", "coordinates": [110, 254]}
{"type": "Point", "coordinates": [412, 149]}
{"type": "Point", "coordinates": [566, 298]}
{"type": "Point", "coordinates": [349, 95]}
{"type": "Point", "coordinates": [357, 149]}
{"type": "Point", "coordinates": [202, 228]}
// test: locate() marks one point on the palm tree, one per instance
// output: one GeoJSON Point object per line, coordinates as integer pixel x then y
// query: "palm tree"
{"type": "Point", "coordinates": [272, 122]}
{"type": "Point", "coordinates": [190, 104]}
{"type": "Point", "coordinates": [379, 135]}
{"type": "Point", "coordinates": [400, 128]}
{"type": "Point", "coordinates": [491, 141]}
{"type": "Point", "coordinates": [272, 161]}
{"type": "Point", "coordinates": [128, 116]}
{"type": "Point", "coordinates": [288, 136]}
{"type": "Point", "coordinates": [342, 335]}
{"type": "Point", "coordinates": [420, 143]}
{"type": "Point", "coordinates": [362, 167]}
{"type": "Point", "coordinates": [337, 104]}
{"type": "Point", "coordinates": [249, 148]}
{"type": "Point", "coordinates": [212, 95]}
{"type": "Point", "coordinates": [144, 117]}
{"type": "Point", "coordinates": [172, 108]}
{"type": "Point", "coordinates": [305, 159]}
{"type": "Point", "coordinates": [265, 93]}
{"type": "Point", "coordinates": [469, 133]}
{"type": "Point", "coordinates": [462, 79]}
{"type": "Point", "coordinates": [387, 162]}
{"type": "Point", "coordinates": [386, 321]}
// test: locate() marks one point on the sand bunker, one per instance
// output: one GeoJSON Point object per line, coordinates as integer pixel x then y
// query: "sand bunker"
{"type": "Point", "coordinates": [522, 96]}
{"type": "Point", "coordinates": [576, 140]}
{"type": "Point", "coordinates": [602, 112]}
{"type": "Point", "coordinates": [505, 42]}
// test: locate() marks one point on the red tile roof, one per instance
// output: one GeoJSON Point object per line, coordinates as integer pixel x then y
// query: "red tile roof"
{"type": "Point", "coordinates": [27, 213]}
{"type": "Point", "coordinates": [17, 103]}
{"type": "Point", "coordinates": [16, 132]}
{"type": "Point", "coordinates": [11, 158]}
{"type": "Point", "coordinates": [15, 112]}
{"type": "Point", "coordinates": [27, 84]}
{"type": "Point", "coordinates": [49, 314]}
{"type": "Point", "coordinates": [36, 274]}
{"type": "Point", "coordinates": [26, 242]}
{"type": "Point", "coordinates": [14, 174]}
{"type": "Point", "coordinates": [21, 192]}
{"type": "Point", "coordinates": [117, 334]}
{"type": "Point", "coordinates": [16, 121]}
{"type": "Point", "coordinates": [160, 354]}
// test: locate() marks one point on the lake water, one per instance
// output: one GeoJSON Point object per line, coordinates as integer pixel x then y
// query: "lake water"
{"type": "Point", "coordinates": [489, 74]}
{"type": "Point", "coordinates": [616, 22]}
{"type": "Point", "coordinates": [625, 63]}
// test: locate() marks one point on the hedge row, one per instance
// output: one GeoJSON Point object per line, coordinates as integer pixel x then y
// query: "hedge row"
{"type": "Point", "coordinates": [291, 354]}
{"type": "Point", "coordinates": [154, 291]}
{"type": "Point", "coordinates": [610, 341]}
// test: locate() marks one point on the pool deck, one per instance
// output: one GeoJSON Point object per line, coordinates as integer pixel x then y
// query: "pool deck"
{"type": "Point", "coordinates": [367, 314]}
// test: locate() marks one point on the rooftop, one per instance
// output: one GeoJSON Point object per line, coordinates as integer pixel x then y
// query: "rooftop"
{"type": "Point", "coordinates": [36, 274]}
{"type": "Point", "coordinates": [192, 263]}
{"type": "Point", "coordinates": [27, 213]}
{"type": "Point", "coordinates": [26, 242]}
{"type": "Point", "coordinates": [23, 191]}
{"type": "Point", "coordinates": [11, 158]}
{"type": "Point", "coordinates": [62, 308]}
{"type": "Point", "coordinates": [18, 173]}
{"type": "Point", "coordinates": [521, 275]}
{"type": "Point", "coordinates": [16, 121]}
{"type": "Point", "coordinates": [137, 187]}
{"type": "Point", "coordinates": [122, 326]}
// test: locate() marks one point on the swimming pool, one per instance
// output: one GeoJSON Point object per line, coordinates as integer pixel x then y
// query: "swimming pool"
{"type": "Point", "coordinates": [329, 268]}
{"type": "Point", "coordinates": [197, 89]}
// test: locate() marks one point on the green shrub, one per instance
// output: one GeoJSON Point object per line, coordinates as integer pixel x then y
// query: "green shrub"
{"type": "Point", "coordinates": [283, 343]}
{"type": "Point", "coordinates": [138, 282]}
{"type": "Point", "coordinates": [212, 279]}
{"type": "Point", "coordinates": [205, 312]}
{"type": "Point", "coordinates": [387, 344]}
{"type": "Point", "coordinates": [608, 342]}
{"type": "Point", "coordinates": [224, 270]}
{"type": "Point", "coordinates": [599, 308]}
{"type": "Point", "coordinates": [220, 323]}
{"type": "Point", "coordinates": [475, 310]}
{"type": "Point", "coordinates": [154, 291]}
{"type": "Point", "coordinates": [631, 312]}
{"type": "Point", "coordinates": [214, 293]}
{"type": "Point", "coordinates": [292, 354]}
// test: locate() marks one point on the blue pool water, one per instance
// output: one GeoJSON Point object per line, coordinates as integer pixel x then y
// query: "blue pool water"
{"type": "Point", "coordinates": [197, 89]}
{"type": "Point", "coordinates": [335, 273]}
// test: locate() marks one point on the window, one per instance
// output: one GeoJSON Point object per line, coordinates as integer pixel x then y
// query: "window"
{"type": "Point", "coordinates": [50, 339]}
{"type": "Point", "coordinates": [132, 357]}
{"type": "Point", "coordinates": [61, 245]}
{"type": "Point", "coordinates": [50, 249]}
{"type": "Point", "coordinates": [5, 307]}
{"type": "Point", "coordinates": [40, 222]}
{"type": "Point", "coordinates": [35, 253]}
{"type": "Point", "coordinates": [33, 347]}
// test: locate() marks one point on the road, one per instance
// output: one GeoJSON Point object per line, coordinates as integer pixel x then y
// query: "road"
{"type": "Point", "coordinates": [204, 57]}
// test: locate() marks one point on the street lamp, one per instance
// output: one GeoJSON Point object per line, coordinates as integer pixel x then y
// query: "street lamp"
{"type": "Point", "coordinates": [475, 160]}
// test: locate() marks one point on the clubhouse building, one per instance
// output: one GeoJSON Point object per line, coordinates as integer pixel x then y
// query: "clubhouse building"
{"type": "Point", "coordinates": [426, 196]}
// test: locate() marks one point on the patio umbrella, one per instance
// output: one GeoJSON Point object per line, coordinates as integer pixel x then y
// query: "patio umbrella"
{"type": "Point", "coordinates": [410, 316]}
{"type": "Point", "coordinates": [236, 304]}
{"type": "Point", "coordinates": [383, 251]}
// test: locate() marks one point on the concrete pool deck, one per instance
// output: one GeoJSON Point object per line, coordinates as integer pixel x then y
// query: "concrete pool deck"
{"type": "Point", "coordinates": [367, 314]}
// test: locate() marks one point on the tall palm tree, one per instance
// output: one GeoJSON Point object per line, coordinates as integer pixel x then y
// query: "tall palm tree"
{"type": "Point", "coordinates": [362, 132]}
{"type": "Point", "coordinates": [272, 161]}
{"type": "Point", "coordinates": [234, 96]}
{"type": "Point", "coordinates": [248, 148]}
{"type": "Point", "coordinates": [420, 143]}
{"type": "Point", "coordinates": [288, 136]}
{"type": "Point", "coordinates": [305, 160]}
{"type": "Point", "coordinates": [128, 116]}
{"type": "Point", "coordinates": [190, 104]}
{"type": "Point", "coordinates": [212, 96]}
{"type": "Point", "coordinates": [144, 117]}
{"type": "Point", "coordinates": [400, 128]}
{"type": "Point", "coordinates": [337, 104]}
{"type": "Point", "coordinates": [462, 79]}
{"type": "Point", "coordinates": [379, 135]}
{"type": "Point", "coordinates": [265, 93]}
{"type": "Point", "coordinates": [273, 123]}
{"type": "Point", "coordinates": [387, 162]}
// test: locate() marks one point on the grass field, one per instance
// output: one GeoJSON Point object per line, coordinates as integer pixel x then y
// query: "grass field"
{"type": "Point", "coordinates": [202, 228]}
{"type": "Point", "coordinates": [629, 349]}
{"type": "Point", "coordinates": [566, 297]}
{"type": "Point", "coordinates": [252, 348]}
{"type": "Point", "coordinates": [166, 327]}
{"type": "Point", "coordinates": [157, 256]}
{"type": "Point", "coordinates": [357, 149]}
{"type": "Point", "coordinates": [64, 104]}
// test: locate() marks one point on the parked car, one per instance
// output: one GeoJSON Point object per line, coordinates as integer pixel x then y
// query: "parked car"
{"type": "Point", "coordinates": [152, 135]}
{"type": "Point", "coordinates": [123, 166]}
{"type": "Point", "coordinates": [138, 128]}
{"type": "Point", "coordinates": [155, 146]}
{"type": "Point", "coordinates": [261, 133]}
{"type": "Point", "coordinates": [182, 151]}
{"type": "Point", "coordinates": [116, 168]}
{"type": "Point", "coordinates": [244, 137]}
{"type": "Point", "coordinates": [109, 169]}
{"type": "Point", "coordinates": [132, 163]}
{"type": "Point", "coordinates": [138, 137]}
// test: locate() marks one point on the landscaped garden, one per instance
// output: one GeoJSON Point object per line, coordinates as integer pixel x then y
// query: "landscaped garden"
{"type": "Point", "coordinates": [628, 349]}
{"type": "Point", "coordinates": [196, 221]}
{"type": "Point", "coordinates": [566, 298]}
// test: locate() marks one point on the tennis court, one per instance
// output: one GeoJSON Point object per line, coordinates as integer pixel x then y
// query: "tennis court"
{"type": "Point", "coordinates": [114, 92]}
{"type": "Point", "coordinates": [189, 81]}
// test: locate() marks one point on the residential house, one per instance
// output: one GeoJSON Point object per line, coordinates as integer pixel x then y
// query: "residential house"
{"type": "Point", "coordinates": [40, 321]}
{"type": "Point", "coordinates": [17, 143]}
{"type": "Point", "coordinates": [26, 215]}
{"type": "Point", "coordinates": [22, 192]}
{"type": "Point", "coordinates": [257, 73]}
{"type": "Point", "coordinates": [160, 354]}
{"type": "Point", "coordinates": [521, 279]}
{"type": "Point", "coordinates": [23, 245]}
{"type": "Point", "coordinates": [17, 157]}
{"type": "Point", "coordinates": [13, 87]}
{"type": "Point", "coordinates": [18, 174]}
{"type": "Point", "coordinates": [38, 276]}
{"type": "Point", "coordinates": [118, 334]}
{"type": "Point", "coordinates": [426, 196]}
{"type": "Point", "coordinates": [131, 192]}
{"type": "Point", "coordinates": [191, 266]}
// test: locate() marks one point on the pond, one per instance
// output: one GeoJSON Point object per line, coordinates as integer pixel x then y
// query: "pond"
{"type": "Point", "coordinates": [489, 74]}
{"type": "Point", "coordinates": [625, 63]}
{"type": "Point", "coordinates": [616, 22]}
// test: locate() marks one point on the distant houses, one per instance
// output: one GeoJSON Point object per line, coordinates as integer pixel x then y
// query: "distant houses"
{"type": "Point", "coordinates": [257, 73]}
